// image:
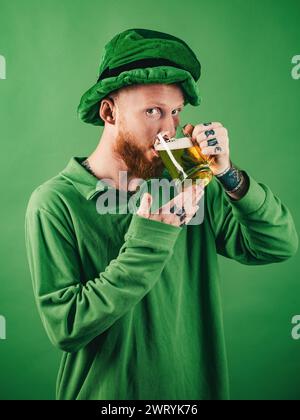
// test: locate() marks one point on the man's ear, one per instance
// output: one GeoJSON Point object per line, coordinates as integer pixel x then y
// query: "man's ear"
{"type": "Point", "coordinates": [107, 110]}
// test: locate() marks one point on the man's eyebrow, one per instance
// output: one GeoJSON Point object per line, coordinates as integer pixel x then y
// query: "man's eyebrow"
{"type": "Point", "coordinates": [163, 105]}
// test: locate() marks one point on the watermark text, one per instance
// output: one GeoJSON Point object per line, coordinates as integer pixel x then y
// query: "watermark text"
{"type": "Point", "coordinates": [296, 69]}
{"type": "Point", "coordinates": [114, 198]}
{"type": "Point", "coordinates": [2, 328]}
{"type": "Point", "coordinates": [2, 67]}
{"type": "Point", "coordinates": [296, 328]}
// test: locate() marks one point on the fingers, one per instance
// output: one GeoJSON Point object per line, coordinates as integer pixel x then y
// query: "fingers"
{"type": "Point", "coordinates": [201, 128]}
{"type": "Point", "coordinates": [211, 137]}
{"type": "Point", "coordinates": [191, 200]}
{"type": "Point", "coordinates": [188, 129]}
{"type": "Point", "coordinates": [220, 146]}
{"type": "Point", "coordinates": [213, 150]}
{"type": "Point", "coordinates": [145, 205]}
{"type": "Point", "coordinates": [190, 195]}
{"type": "Point", "coordinates": [187, 199]}
{"type": "Point", "coordinates": [191, 215]}
{"type": "Point", "coordinates": [213, 142]}
{"type": "Point", "coordinates": [172, 219]}
{"type": "Point", "coordinates": [185, 203]}
{"type": "Point", "coordinates": [205, 135]}
{"type": "Point", "coordinates": [199, 192]}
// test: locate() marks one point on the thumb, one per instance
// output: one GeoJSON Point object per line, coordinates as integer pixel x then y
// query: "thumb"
{"type": "Point", "coordinates": [188, 129]}
{"type": "Point", "coordinates": [146, 202]}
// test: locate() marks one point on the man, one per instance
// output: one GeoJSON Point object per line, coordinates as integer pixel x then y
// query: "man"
{"type": "Point", "coordinates": [133, 299]}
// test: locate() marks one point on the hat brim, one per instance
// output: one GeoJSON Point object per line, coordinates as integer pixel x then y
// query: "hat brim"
{"type": "Point", "coordinates": [88, 108]}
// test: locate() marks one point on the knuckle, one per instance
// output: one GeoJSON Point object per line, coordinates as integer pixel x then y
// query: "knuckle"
{"type": "Point", "coordinates": [143, 215]}
{"type": "Point", "coordinates": [222, 131]}
{"type": "Point", "coordinates": [177, 221]}
{"type": "Point", "coordinates": [198, 129]}
{"type": "Point", "coordinates": [173, 220]}
{"type": "Point", "coordinates": [167, 218]}
{"type": "Point", "coordinates": [200, 137]}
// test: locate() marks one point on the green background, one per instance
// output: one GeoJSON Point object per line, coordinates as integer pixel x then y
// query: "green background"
{"type": "Point", "coordinates": [52, 51]}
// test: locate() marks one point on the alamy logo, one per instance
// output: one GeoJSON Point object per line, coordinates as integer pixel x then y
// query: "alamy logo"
{"type": "Point", "coordinates": [2, 328]}
{"type": "Point", "coordinates": [2, 67]}
{"type": "Point", "coordinates": [161, 190]}
{"type": "Point", "coordinates": [296, 70]}
{"type": "Point", "coordinates": [296, 329]}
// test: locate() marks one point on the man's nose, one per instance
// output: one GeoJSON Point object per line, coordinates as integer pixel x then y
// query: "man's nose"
{"type": "Point", "coordinates": [169, 130]}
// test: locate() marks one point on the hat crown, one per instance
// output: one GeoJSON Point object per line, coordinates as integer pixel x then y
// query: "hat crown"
{"type": "Point", "coordinates": [138, 44]}
{"type": "Point", "coordinates": [142, 56]}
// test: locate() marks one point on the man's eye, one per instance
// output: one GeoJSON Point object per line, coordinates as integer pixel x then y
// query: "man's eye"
{"type": "Point", "coordinates": [153, 114]}
{"type": "Point", "coordinates": [177, 110]}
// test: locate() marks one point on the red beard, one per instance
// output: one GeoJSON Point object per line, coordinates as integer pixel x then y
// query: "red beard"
{"type": "Point", "coordinates": [138, 165]}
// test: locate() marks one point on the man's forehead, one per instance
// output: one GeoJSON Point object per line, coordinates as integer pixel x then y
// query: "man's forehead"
{"type": "Point", "coordinates": [171, 103]}
{"type": "Point", "coordinates": [160, 94]}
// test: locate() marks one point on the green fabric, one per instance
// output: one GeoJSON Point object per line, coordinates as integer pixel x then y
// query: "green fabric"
{"type": "Point", "coordinates": [134, 303]}
{"type": "Point", "coordinates": [138, 44]}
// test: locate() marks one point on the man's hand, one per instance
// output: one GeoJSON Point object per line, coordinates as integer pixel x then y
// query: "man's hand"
{"type": "Point", "coordinates": [184, 204]}
{"type": "Point", "coordinates": [217, 151]}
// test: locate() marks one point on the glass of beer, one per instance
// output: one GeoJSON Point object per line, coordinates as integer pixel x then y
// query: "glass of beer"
{"type": "Point", "coordinates": [182, 157]}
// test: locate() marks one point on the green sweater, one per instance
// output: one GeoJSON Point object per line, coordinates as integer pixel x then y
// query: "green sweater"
{"type": "Point", "coordinates": [134, 303]}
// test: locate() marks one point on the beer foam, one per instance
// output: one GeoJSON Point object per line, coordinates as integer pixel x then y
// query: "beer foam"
{"type": "Point", "coordinates": [182, 143]}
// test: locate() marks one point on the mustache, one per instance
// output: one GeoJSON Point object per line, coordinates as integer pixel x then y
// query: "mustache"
{"type": "Point", "coordinates": [135, 159]}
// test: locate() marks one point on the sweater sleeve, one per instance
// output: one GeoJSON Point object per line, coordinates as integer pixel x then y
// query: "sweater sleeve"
{"type": "Point", "coordinates": [73, 312]}
{"type": "Point", "coordinates": [257, 229]}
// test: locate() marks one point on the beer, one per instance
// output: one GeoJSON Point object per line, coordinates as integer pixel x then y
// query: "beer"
{"type": "Point", "coordinates": [183, 159]}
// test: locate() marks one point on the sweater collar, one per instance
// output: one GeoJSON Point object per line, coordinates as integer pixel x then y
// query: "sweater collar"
{"type": "Point", "coordinates": [86, 183]}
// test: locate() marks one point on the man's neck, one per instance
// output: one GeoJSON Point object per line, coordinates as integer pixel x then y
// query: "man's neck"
{"type": "Point", "coordinates": [107, 167]}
